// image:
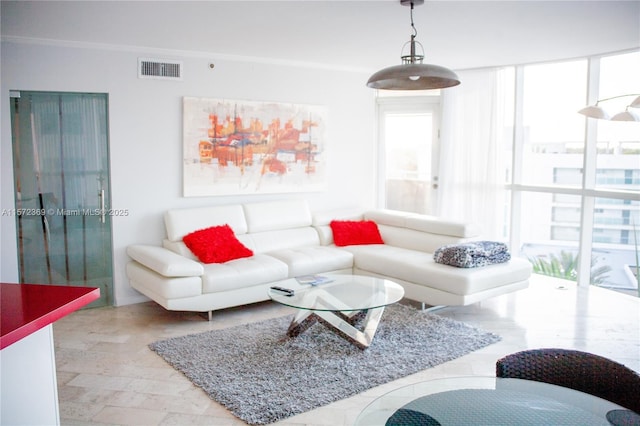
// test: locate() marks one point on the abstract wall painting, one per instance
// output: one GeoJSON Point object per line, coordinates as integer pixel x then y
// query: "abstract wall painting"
{"type": "Point", "coordinates": [244, 147]}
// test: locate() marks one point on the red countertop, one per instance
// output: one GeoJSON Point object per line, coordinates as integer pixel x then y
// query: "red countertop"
{"type": "Point", "coordinates": [26, 308]}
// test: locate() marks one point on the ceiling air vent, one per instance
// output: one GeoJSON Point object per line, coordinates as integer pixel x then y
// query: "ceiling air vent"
{"type": "Point", "coordinates": [159, 69]}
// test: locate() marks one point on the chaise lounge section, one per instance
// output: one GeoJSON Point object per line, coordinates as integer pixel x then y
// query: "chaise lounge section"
{"type": "Point", "coordinates": [287, 240]}
{"type": "Point", "coordinates": [406, 257]}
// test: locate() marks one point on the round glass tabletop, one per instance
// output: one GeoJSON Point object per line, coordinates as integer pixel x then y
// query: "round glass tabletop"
{"type": "Point", "coordinates": [487, 401]}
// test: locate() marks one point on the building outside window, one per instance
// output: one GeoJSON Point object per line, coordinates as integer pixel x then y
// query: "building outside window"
{"type": "Point", "coordinates": [570, 212]}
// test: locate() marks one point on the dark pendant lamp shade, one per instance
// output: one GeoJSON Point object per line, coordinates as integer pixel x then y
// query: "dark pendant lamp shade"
{"type": "Point", "coordinates": [412, 74]}
{"type": "Point", "coordinates": [413, 77]}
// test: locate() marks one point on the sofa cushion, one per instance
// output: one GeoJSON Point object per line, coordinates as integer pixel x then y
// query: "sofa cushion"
{"type": "Point", "coordinates": [420, 268]}
{"type": "Point", "coordinates": [272, 216]}
{"type": "Point", "coordinates": [413, 240]}
{"type": "Point", "coordinates": [313, 260]}
{"type": "Point", "coordinates": [423, 223]}
{"type": "Point", "coordinates": [268, 241]}
{"type": "Point", "coordinates": [245, 272]}
{"type": "Point", "coordinates": [179, 247]}
{"type": "Point", "coordinates": [322, 219]}
{"type": "Point", "coordinates": [216, 244]}
{"type": "Point", "coordinates": [180, 222]}
{"type": "Point", "coordinates": [355, 232]}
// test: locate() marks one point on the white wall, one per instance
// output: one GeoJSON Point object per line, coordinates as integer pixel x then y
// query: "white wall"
{"type": "Point", "coordinates": [146, 131]}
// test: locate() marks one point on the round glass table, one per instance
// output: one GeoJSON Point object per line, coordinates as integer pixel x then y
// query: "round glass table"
{"type": "Point", "coordinates": [350, 305]}
{"type": "Point", "coordinates": [491, 401]}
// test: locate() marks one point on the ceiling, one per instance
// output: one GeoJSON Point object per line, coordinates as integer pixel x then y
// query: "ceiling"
{"type": "Point", "coordinates": [360, 35]}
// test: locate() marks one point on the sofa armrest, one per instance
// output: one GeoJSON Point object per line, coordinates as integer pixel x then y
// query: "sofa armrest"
{"type": "Point", "coordinates": [165, 262]}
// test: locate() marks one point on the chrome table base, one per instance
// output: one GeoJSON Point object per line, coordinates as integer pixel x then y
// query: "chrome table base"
{"type": "Point", "coordinates": [343, 324]}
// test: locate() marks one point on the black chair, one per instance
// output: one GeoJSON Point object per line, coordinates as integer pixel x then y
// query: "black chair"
{"type": "Point", "coordinates": [582, 371]}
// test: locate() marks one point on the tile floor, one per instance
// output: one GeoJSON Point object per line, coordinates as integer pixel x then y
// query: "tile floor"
{"type": "Point", "coordinates": [107, 374]}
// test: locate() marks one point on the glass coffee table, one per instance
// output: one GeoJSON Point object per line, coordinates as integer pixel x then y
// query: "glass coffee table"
{"type": "Point", "coordinates": [350, 305]}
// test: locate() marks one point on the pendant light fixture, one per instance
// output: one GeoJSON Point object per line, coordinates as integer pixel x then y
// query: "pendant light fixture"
{"type": "Point", "coordinates": [412, 74]}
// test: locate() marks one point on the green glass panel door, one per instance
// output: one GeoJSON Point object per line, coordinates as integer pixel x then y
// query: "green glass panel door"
{"type": "Point", "coordinates": [61, 175]}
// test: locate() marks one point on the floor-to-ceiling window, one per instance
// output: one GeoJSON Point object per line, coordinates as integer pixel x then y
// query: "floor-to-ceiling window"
{"type": "Point", "coordinates": [617, 219]}
{"type": "Point", "coordinates": [577, 179]}
{"type": "Point", "coordinates": [573, 183]}
{"type": "Point", "coordinates": [551, 141]}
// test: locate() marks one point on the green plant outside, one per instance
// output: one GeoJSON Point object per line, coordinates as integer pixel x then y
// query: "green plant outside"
{"type": "Point", "coordinates": [565, 266]}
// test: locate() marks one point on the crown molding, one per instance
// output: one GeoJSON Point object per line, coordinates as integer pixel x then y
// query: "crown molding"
{"type": "Point", "coordinates": [73, 44]}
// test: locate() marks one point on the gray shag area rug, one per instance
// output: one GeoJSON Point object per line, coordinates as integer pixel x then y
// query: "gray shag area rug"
{"type": "Point", "coordinates": [262, 376]}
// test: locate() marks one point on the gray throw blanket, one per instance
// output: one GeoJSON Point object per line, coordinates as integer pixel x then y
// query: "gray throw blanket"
{"type": "Point", "coordinates": [472, 254]}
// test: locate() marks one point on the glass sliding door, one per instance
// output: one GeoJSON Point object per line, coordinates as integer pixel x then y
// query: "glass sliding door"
{"type": "Point", "coordinates": [408, 134]}
{"type": "Point", "coordinates": [61, 168]}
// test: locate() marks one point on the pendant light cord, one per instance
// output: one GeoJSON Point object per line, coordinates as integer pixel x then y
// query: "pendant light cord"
{"type": "Point", "coordinates": [415, 31]}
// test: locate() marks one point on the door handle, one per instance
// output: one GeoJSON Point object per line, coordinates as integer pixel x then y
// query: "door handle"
{"type": "Point", "coordinates": [102, 206]}
{"type": "Point", "coordinates": [47, 231]}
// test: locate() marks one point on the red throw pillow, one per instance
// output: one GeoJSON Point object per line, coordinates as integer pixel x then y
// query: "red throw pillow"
{"type": "Point", "coordinates": [352, 232]}
{"type": "Point", "coordinates": [217, 244]}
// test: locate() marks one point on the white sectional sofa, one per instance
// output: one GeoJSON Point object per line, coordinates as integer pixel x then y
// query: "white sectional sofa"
{"type": "Point", "coordinates": [288, 240]}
